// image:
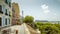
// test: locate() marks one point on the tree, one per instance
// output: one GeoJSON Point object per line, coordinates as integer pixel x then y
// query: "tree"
{"type": "Point", "coordinates": [48, 28]}
{"type": "Point", "coordinates": [28, 19]}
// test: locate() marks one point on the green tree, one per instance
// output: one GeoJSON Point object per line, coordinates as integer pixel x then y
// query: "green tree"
{"type": "Point", "coordinates": [48, 28]}
{"type": "Point", "coordinates": [57, 25]}
{"type": "Point", "coordinates": [28, 19]}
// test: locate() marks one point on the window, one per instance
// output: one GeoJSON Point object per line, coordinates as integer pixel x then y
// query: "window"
{"type": "Point", "coordinates": [9, 21]}
{"type": "Point", "coordinates": [9, 4]}
{"type": "Point", "coordinates": [0, 8]}
{"type": "Point", "coordinates": [6, 2]}
{"type": "Point", "coordinates": [6, 12]}
{"type": "Point", "coordinates": [9, 13]}
{"type": "Point", "coordinates": [0, 21]}
{"type": "Point", "coordinates": [6, 21]}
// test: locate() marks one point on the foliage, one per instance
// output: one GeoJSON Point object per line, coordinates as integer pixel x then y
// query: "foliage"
{"type": "Point", "coordinates": [45, 28]}
{"type": "Point", "coordinates": [28, 19]}
{"type": "Point", "coordinates": [48, 28]}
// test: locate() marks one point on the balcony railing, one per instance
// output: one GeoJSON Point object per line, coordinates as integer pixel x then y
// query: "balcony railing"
{"type": "Point", "coordinates": [1, 12]}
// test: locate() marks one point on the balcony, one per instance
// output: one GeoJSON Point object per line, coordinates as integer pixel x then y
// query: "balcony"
{"type": "Point", "coordinates": [1, 12]}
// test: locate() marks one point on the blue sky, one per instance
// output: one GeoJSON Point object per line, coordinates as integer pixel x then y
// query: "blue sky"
{"type": "Point", "coordinates": [40, 9]}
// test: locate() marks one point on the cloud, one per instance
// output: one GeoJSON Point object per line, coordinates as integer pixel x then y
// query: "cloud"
{"type": "Point", "coordinates": [45, 8]}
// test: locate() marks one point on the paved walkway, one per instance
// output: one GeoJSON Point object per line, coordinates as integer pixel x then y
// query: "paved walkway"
{"type": "Point", "coordinates": [22, 29]}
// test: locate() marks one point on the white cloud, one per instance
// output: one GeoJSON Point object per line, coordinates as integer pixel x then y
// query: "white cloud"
{"type": "Point", "coordinates": [45, 8]}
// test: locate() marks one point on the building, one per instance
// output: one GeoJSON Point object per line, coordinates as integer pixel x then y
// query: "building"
{"type": "Point", "coordinates": [15, 13]}
{"type": "Point", "coordinates": [13, 16]}
{"type": "Point", "coordinates": [5, 17]}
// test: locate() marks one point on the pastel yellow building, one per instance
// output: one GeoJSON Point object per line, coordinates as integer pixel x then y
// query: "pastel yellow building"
{"type": "Point", "coordinates": [15, 13]}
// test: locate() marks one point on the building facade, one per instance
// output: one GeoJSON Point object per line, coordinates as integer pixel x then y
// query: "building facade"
{"type": "Point", "coordinates": [15, 13]}
{"type": "Point", "coordinates": [5, 17]}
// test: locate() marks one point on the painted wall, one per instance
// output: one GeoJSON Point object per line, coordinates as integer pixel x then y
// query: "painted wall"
{"type": "Point", "coordinates": [15, 13]}
{"type": "Point", "coordinates": [3, 16]}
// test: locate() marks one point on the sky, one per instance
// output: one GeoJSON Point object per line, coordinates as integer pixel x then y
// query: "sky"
{"type": "Point", "coordinates": [40, 9]}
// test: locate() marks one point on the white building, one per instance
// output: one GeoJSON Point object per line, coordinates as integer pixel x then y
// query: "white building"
{"type": "Point", "coordinates": [5, 8]}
